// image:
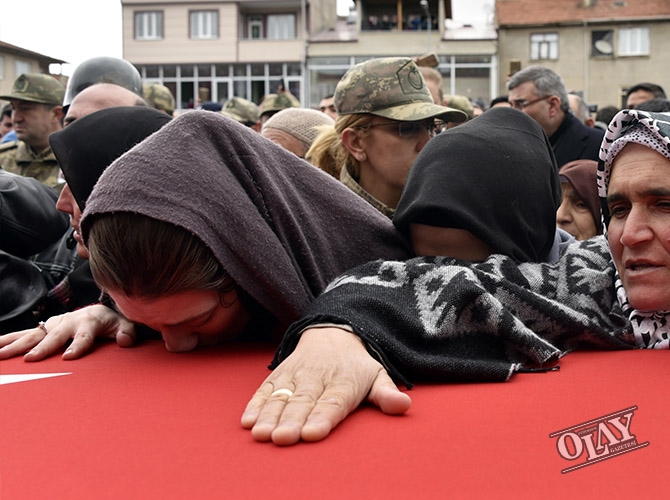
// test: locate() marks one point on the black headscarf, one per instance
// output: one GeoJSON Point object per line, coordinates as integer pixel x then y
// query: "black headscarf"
{"type": "Point", "coordinates": [494, 176]}
{"type": "Point", "coordinates": [86, 147]}
{"type": "Point", "coordinates": [279, 226]}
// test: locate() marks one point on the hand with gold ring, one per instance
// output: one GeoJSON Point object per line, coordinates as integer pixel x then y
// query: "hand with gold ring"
{"type": "Point", "coordinates": [327, 376]}
{"type": "Point", "coordinates": [82, 327]}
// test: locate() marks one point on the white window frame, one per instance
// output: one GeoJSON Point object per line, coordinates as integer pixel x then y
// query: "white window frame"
{"type": "Point", "coordinates": [543, 46]}
{"type": "Point", "coordinates": [281, 26]}
{"type": "Point", "coordinates": [149, 25]}
{"type": "Point", "coordinates": [255, 22]}
{"type": "Point", "coordinates": [633, 42]}
{"type": "Point", "coordinates": [204, 24]}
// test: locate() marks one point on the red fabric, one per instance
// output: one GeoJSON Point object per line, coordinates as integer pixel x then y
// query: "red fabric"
{"type": "Point", "coordinates": [145, 423]}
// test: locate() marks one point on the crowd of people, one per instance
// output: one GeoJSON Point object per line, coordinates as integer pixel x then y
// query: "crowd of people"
{"type": "Point", "coordinates": [392, 236]}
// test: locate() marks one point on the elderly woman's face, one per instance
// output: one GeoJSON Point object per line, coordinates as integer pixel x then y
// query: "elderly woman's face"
{"type": "Point", "coordinates": [639, 230]}
{"type": "Point", "coordinates": [574, 215]}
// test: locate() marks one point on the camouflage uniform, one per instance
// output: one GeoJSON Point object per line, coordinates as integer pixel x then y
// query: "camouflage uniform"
{"type": "Point", "coordinates": [461, 102]}
{"type": "Point", "coordinates": [17, 157]}
{"type": "Point", "coordinates": [393, 88]}
{"type": "Point", "coordinates": [241, 110]}
{"type": "Point", "coordinates": [272, 103]}
{"type": "Point", "coordinates": [159, 96]}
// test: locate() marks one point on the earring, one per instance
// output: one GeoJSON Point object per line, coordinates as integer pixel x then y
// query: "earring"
{"type": "Point", "coordinates": [362, 157]}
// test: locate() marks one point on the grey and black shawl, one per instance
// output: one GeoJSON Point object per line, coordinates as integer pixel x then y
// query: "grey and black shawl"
{"type": "Point", "coordinates": [441, 319]}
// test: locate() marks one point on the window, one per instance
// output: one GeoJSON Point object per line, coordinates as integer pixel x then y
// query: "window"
{"type": "Point", "coordinates": [149, 25]}
{"type": "Point", "coordinates": [281, 27]}
{"type": "Point", "coordinates": [634, 41]}
{"type": "Point", "coordinates": [22, 67]}
{"type": "Point", "coordinates": [205, 24]}
{"type": "Point", "coordinates": [544, 46]}
{"type": "Point", "coordinates": [2, 68]}
{"type": "Point", "coordinates": [255, 27]}
{"type": "Point", "coordinates": [602, 43]}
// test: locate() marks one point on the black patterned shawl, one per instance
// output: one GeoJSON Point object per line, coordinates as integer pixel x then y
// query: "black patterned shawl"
{"type": "Point", "coordinates": [443, 319]}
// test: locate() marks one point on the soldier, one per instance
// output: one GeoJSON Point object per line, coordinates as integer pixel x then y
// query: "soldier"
{"type": "Point", "coordinates": [273, 103]}
{"type": "Point", "coordinates": [6, 124]}
{"type": "Point", "coordinates": [36, 112]}
{"type": "Point", "coordinates": [243, 111]}
{"type": "Point", "coordinates": [103, 69]}
{"type": "Point", "coordinates": [160, 97]}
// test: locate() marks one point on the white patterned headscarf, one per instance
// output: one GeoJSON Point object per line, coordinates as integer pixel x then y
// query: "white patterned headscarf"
{"type": "Point", "coordinates": [651, 328]}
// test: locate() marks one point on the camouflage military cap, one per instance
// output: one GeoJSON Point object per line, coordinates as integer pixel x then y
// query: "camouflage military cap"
{"type": "Point", "coordinates": [391, 87]}
{"type": "Point", "coordinates": [276, 102]}
{"type": "Point", "coordinates": [159, 96]}
{"type": "Point", "coordinates": [241, 110]}
{"type": "Point", "coordinates": [37, 87]}
{"type": "Point", "coordinates": [461, 102]}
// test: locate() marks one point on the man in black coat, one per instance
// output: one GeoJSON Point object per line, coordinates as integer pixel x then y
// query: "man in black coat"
{"type": "Point", "coordinates": [540, 93]}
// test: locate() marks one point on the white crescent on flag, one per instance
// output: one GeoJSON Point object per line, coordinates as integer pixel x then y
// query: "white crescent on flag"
{"type": "Point", "coordinates": [14, 378]}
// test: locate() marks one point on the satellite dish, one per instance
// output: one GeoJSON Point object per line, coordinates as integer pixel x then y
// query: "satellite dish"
{"type": "Point", "coordinates": [604, 47]}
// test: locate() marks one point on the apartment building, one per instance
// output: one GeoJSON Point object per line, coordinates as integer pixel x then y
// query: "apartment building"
{"type": "Point", "coordinates": [384, 28]}
{"type": "Point", "coordinates": [214, 50]}
{"type": "Point", "coordinates": [600, 48]}
{"type": "Point", "coordinates": [220, 49]}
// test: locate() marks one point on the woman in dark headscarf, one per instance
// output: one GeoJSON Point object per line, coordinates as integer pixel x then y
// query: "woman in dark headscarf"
{"type": "Point", "coordinates": [440, 319]}
{"type": "Point", "coordinates": [86, 147]}
{"type": "Point", "coordinates": [579, 213]}
{"type": "Point", "coordinates": [207, 228]}
{"type": "Point", "coordinates": [488, 186]}
{"type": "Point", "coordinates": [83, 150]}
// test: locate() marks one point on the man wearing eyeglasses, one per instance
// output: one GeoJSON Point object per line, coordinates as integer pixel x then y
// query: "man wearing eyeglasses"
{"type": "Point", "coordinates": [540, 93]}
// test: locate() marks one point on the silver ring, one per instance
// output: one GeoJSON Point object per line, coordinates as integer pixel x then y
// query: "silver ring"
{"type": "Point", "coordinates": [285, 392]}
{"type": "Point", "coordinates": [43, 326]}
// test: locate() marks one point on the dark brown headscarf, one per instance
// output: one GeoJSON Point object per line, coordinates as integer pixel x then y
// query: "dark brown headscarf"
{"type": "Point", "coordinates": [581, 174]}
{"type": "Point", "coordinates": [280, 227]}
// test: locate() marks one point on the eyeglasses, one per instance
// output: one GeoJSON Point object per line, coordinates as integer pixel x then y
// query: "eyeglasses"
{"type": "Point", "coordinates": [408, 129]}
{"type": "Point", "coordinates": [522, 104]}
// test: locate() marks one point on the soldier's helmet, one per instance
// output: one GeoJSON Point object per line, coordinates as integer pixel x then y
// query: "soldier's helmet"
{"type": "Point", "coordinates": [272, 103]}
{"type": "Point", "coordinates": [103, 69]}
{"type": "Point", "coordinates": [159, 96]}
{"type": "Point", "coordinates": [37, 87]}
{"type": "Point", "coordinates": [392, 87]}
{"type": "Point", "coordinates": [241, 110]}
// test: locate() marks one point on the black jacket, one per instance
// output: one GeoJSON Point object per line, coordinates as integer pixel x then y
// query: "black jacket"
{"type": "Point", "coordinates": [575, 141]}
{"type": "Point", "coordinates": [29, 220]}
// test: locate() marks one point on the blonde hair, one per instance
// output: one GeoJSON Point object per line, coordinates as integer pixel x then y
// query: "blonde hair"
{"type": "Point", "coordinates": [319, 153]}
{"type": "Point", "coordinates": [328, 152]}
